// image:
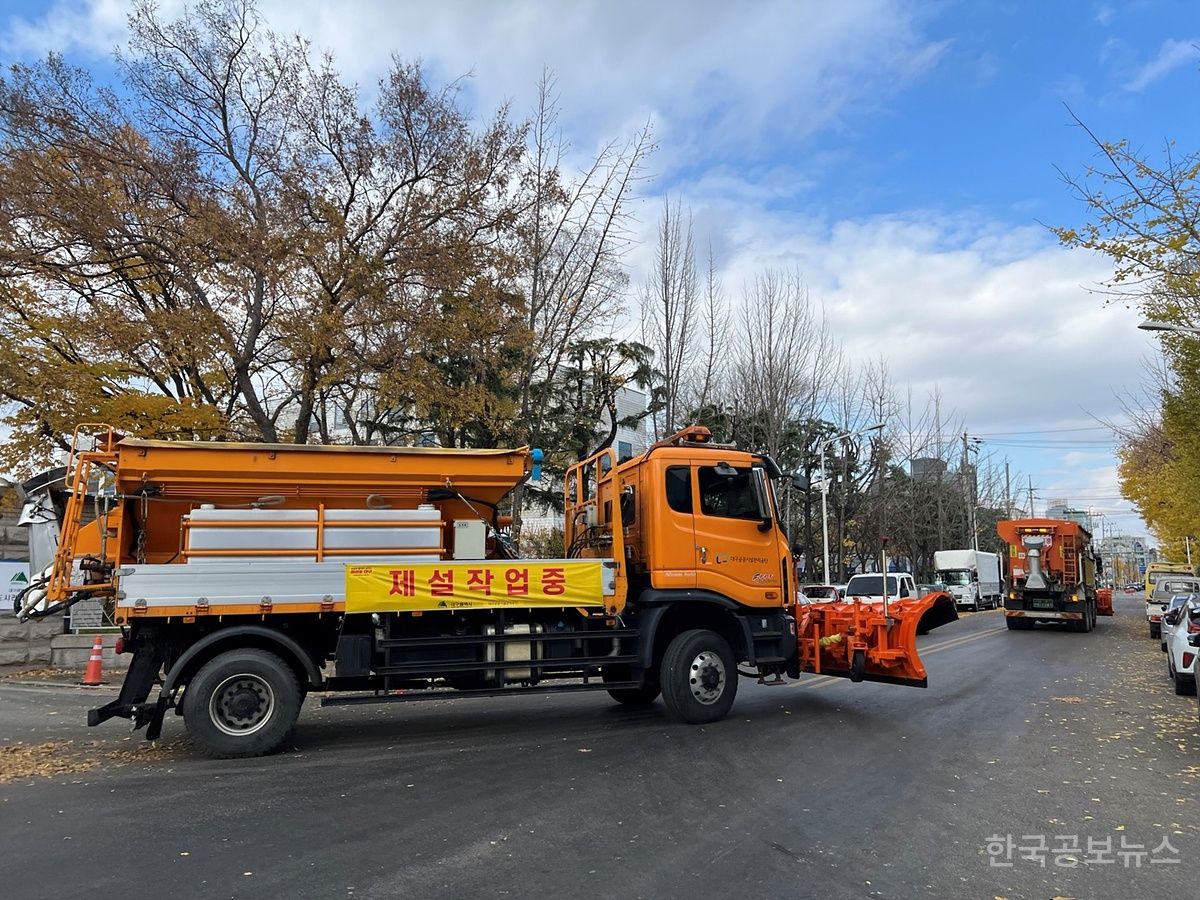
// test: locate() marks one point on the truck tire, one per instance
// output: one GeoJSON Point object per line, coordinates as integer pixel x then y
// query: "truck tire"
{"type": "Point", "coordinates": [699, 677]}
{"type": "Point", "coordinates": [242, 703]}
{"type": "Point", "coordinates": [858, 666]}
{"type": "Point", "coordinates": [638, 696]}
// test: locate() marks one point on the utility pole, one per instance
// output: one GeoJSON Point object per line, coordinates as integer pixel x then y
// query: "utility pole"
{"type": "Point", "coordinates": [1008, 498]}
{"type": "Point", "coordinates": [972, 492]}
{"type": "Point", "coordinates": [1031, 497]}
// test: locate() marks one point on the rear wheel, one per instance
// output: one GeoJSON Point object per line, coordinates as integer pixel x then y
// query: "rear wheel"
{"type": "Point", "coordinates": [242, 703]}
{"type": "Point", "coordinates": [698, 677]}
{"type": "Point", "coordinates": [1155, 630]}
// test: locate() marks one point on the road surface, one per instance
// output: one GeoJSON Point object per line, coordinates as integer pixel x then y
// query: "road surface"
{"type": "Point", "coordinates": [820, 788]}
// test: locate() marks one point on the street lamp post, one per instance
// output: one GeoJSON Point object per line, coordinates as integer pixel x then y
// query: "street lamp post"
{"type": "Point", "coordinates": [845, 435]}
{"type": "Point", "coordinates": [1167, 326]}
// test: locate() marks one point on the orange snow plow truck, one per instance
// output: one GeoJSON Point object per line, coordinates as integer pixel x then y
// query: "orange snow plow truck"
{"type": "Point", "coordinates": [244, 576]}
{"type": "Point", "coordinates": [1052, 574]}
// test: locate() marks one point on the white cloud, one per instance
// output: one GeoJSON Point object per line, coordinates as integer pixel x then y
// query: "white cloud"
{"type": "Point", "coordinates": [718, 79]}
{"type": "Point", "coordinates": [92, 27]}
{"type": "Point", "coordinates": [1171, 56]}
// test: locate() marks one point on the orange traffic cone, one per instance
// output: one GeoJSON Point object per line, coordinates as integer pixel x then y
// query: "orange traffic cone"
{"type": "Point", "coordinates": [92, 674]}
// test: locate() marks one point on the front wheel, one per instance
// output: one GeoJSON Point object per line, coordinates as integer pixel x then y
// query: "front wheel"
{"type": "Point", "coordinates": [632, 696]}
{"type": "Point", "coordinates": [242, 703]}
{"type": "Point", "coordinates": [699, 677]}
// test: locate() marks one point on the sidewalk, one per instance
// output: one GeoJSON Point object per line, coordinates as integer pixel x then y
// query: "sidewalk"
{"type": "Point", "coordinates": [43, 676]}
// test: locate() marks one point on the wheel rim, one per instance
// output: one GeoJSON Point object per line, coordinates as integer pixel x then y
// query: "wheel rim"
{"type": "Point", "coordinates": [706, 677]}
{"type": "Point", "coordinates": [241, 705]}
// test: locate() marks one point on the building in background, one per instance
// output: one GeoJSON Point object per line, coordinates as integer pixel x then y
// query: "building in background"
{"type": "Point", "coordinates": [1125, 557]}
{"type": "Point", "coordinates": [1061, 509]}
{"type": "Point", "coordinates": [927, 469]}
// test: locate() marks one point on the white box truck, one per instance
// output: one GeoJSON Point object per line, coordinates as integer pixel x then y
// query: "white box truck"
{"type": "Point", "coordinates": [971, 576]}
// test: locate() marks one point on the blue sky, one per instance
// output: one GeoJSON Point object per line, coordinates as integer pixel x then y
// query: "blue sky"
{"type": "Point", "coordinates": [900, 155]}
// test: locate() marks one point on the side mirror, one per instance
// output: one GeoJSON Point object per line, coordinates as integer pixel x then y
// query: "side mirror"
{"type": "Point", "coordinates": [628, 506]}
{"type": "Point", "coordinates": [798, 482]}
{"type": "Point", "coordinates": [759, 485]}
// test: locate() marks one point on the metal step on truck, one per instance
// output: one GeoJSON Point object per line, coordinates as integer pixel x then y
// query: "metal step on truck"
{"type": "Point", "coordinates": [245, 577]}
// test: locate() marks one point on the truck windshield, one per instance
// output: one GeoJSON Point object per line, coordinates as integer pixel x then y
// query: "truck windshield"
{"type": "Point", "coordinates": [731, 496]}
{"type": "Point", "coordinates": [872, 586]}
{"type": "Point", "coordinates": [955, 576]}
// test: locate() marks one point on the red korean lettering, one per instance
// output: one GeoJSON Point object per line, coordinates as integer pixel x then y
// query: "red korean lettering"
{"type": "Point", "coordinates": [403, 582]}
{"type": "Point", "coordinates": [516, 582]}
{"type": "Point", "coordinates": [480, 580]}
{"type": "Point", "coordinates": [554, 580]}
{"type": "Point", "coordinates": [441, 583]}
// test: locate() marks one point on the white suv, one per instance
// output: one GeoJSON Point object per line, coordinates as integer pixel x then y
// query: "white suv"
{"type": "Point", "coordinates": [1161, 598]}
{"type": "Point", "coordinates": [1180, 624]}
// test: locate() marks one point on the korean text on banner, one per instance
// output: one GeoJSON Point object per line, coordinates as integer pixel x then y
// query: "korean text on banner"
{"type": "Point", "coordinates": [474, 585]}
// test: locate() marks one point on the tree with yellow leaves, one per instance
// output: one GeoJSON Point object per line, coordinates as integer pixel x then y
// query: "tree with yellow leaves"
{"type": "Point", "coordinates": [1144, 214]}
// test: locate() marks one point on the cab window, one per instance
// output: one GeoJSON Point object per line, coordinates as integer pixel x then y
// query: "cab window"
{"type": "Point", "coordinates": [728, 496]}
{"type": "Point", "coordinates": [679, 488]}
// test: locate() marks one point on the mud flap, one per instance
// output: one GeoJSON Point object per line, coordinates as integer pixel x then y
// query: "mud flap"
{"type": "Point", "coordinates": [139, 680]}
{"type": "Point", "coordinates": [855, 640]}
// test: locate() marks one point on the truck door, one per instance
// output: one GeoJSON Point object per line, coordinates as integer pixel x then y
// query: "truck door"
{"type": "Point", "coordinates": [673, 557]}
{"type": "Point", "coordinates": [734, 555]}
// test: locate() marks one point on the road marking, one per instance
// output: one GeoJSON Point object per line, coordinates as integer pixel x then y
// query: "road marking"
{"type": "Point", "coordinates": [959, 641]}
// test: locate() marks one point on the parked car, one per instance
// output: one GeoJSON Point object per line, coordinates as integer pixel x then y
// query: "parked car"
{"type": "Point", "coordinates": [1181, 653]}
{"type": "Point", "coordinates": [821, 593]}
{"type": "Point", "coordinates": [932, 587]}
{"type": "Point", "coordinates": [1164, 590]}
{"type": "Point", "coordinates": [1170, 617]}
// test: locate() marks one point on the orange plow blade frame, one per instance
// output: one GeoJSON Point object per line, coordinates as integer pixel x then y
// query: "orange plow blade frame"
{"type": "Point", "coordinates": [856, 640]}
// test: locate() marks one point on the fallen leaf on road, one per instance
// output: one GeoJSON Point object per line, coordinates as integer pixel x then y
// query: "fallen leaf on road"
{"type": "Point", "coordinates": [40, 760]}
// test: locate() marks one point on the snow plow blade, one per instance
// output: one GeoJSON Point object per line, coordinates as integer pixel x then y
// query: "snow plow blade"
{"type": "Point", "coordinates": [941, 611]}
{"type": "Point", "coordinates": [856, 640]}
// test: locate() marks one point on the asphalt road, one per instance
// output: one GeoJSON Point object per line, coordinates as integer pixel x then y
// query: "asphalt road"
{"type": "Point", "coordinates": [821, 788]}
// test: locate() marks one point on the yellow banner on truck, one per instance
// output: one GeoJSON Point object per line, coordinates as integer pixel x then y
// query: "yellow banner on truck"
{"type": "Point", "coordinates": [472, 585]}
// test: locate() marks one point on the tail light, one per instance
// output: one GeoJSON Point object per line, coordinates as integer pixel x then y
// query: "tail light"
{"type": "Point", "coordinates": [1193, 626]}
{"type": "Point", "coordinates": [1187, 660]}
